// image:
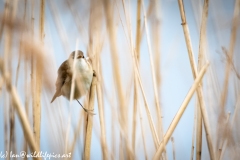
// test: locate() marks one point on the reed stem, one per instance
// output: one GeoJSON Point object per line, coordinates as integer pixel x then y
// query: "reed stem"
{"type": "Point", "coordinates": [180, 112]}
{"type": "Point", "coordinates": [89, 124]}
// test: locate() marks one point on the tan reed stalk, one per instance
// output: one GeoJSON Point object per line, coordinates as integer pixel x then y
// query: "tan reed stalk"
{"type": "Point", "coordinates": [201, 54]}
{"type": "Point", "coordinates": [11, 13]}
{"type": "Point", "coordinates": [18, 65]}
{"type": "Point", "coordinates": [226, 131]}
{"type": "Point", "coordinates": [135, 104]}
{"type": "Point", "coordinates": [94, 50]}
{"type": "Point", "coordinates": [138, 29]}
{"type": "Point", "coordinates": [89, 124]}
{"type": "Point", "coordinates": [135, 94]}
{"type": "Point", "coordinates": [19, 109]}
{"type": "Point", "coordinates": [102, 124]}
{"type": "Point", "coordinates": [113, 129]}
{"type": "Point", "coordinates": [25, 147]}
{"type": "Point", "coordinates": [116, 73]}
{"type": "Point", "coordinates": [6, 115]}
{"type": "Point", "coordinates": [236, 111]}
{"type": "Point", "coordinates": [194, 130]}
{"type": "Point", "coordinates": [157, 59]}
{"type": "Point", "coordinates": [199, 134]}
{"type": "Point", "coordinates": [150, 119]}
{"type": "Point", "coordinates": [143, 135]}
{"type": "Point", "coordinates": [73, 84]}
{"type": "Point", "coordinates": [76, 133]}
{"type": "Point", "coordinates": [135, 100]}
{"type": "Point", "coordinates": [113, 135]}
{"type": "Point", "coordinates": [194, 72]}
{"type": "Point", "coordinates": [180, 112]}
{"type": "Point", "coordinates": [20, 51]}
{"type": "Point", "coordinates": [128, 22]}
{"type": "Point", "coordinates": [38, 88]}
{"type": "Point", "coordinates": [230, 52]}
{"type": "Point", "coordinates": [229, 64]}
{"type": "Point", "coordinates": [121, 153]}
{"type": "Point", "coordinates": [136, 70]}
{"type": "Point", "coordinates": [153, 73]}
{"type": "Point", "coordinates": [32, 58]}
{"type": "Point", "coordinates": [6, 102]}
{"type": "Point", "coordinates": [173, 148]}
{"type": "Point", "coordinates": [148, 14]}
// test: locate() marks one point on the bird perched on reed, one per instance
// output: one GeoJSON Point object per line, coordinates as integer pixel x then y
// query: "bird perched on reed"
{"type": "Point", "coordinates": [83, 77]}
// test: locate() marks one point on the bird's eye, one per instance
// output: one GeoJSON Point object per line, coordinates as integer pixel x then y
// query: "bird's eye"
{"type": "Point", "coordinates": [82, 56]}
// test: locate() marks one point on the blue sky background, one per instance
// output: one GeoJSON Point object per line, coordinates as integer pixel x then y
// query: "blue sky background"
{"type": "Point", "coordinates": [176, 74]}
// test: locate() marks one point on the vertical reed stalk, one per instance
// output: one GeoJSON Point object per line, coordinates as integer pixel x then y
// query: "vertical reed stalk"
{"type": "Point", "coordinates": [102, 124]}
{"type": "Point", "coordinates": [199, 134]}
{"type": "Point", "coordinates": [76, 134]}
{"type": "Point", "coordinates": [173, 148]}
{"type": "Point", "coordinates": [202, 46]}
{"type": "Point", "coordinates": [223, 142]}
{"type": "Point", "coordinates": [38, 88]}
{"type": "Point", "coordinates": [230, 52]}
{"type": "Point", "coordinates": [6, 104]}
{"type": "Point", "coordinates": [180, 112]}
{"type": "Point", "coordinates": [137, 55]}
{"type": "Point", "coordinates": [194, 130]}
{"type": "Point", "coordinates": [89, 124]}
{"type": "Point", "coordinates": [153, 73]}
{"type": "Point", "coordinates": [138, 29]}
{"type": "Point", "coordinates": [236, 111]}
{"type": "Point", "coordinates": [194, 72]}
{"type": "Point", "coordinates": [33, 67]}
{"type": "Point", "coordinates": [116, 73]}
{"type": "Point", "coordinates": [157, 60]}
{"type": "Point", "coordinates": [153, 129]}
{"type": "Point", "coordinates": [143, 135]}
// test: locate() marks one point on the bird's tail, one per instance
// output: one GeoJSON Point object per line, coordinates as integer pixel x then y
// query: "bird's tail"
{"type": "Point", "coordinates": [55, 96]}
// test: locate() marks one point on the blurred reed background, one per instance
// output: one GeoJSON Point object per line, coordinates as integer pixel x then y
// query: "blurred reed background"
{"type": "Point", "coordinates": [151, 57]}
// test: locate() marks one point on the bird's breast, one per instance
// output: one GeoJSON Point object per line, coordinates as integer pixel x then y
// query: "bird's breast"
{"type": "Point", "coordinates": [84, 73]}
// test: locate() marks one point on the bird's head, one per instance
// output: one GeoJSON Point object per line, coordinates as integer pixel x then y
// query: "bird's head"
{"type": "Point", "coordinates": [79, 54]}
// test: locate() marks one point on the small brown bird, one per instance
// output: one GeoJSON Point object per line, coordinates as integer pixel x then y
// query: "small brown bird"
{"type": "Point", "coordinates": [83, 77]}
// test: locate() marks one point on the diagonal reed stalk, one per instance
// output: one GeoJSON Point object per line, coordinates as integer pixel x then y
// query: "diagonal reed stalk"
{"type": "Point", "coordinates": [180, 112]}
{"type": "Point", "coordinates": [194, 72]}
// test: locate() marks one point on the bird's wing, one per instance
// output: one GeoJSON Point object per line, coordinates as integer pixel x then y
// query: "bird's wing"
{"type": "Point", "coordinates": [63, 72]}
